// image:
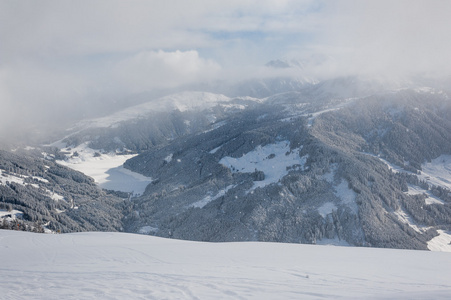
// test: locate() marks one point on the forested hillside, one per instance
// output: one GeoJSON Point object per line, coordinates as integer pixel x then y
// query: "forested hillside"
{"type": "Point", "coordinates": [293, 170]}
{"type": "Point", "coordinates": [38, 194]}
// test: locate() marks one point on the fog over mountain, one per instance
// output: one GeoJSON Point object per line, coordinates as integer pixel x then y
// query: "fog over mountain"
{"type": "Point", "coordinates": [62, 61]}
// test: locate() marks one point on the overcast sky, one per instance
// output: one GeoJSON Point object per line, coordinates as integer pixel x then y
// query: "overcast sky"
{"type": "Point", "coordinates": [60, 55]}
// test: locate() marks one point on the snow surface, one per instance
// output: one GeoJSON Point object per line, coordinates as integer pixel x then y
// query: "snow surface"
{"type": "Point", "coordinates": [326, 209]}
{"type": "Point", "coordinates": [19, 179]}
{"type": "Point", "coordinates": [215, 150]}
{"type": "Point", "coordinates": [10, 177]}
{"type": "Point", "coordinates": [313, 116]}
{"type": "Point", "coordinates": [207, 199]}
{"type": "Point", "coordinates": [214, 125]}
{"type": "Point", "coordinates": [40, 179]}
{"type": "Point", "coordinates": [442, 242]}
{"type": "Point", "coordinates": [13, 213]}
{"type": "Point", "coordinates": [346, 195]}
{"type": "Point", "coordinates": [127, 266]}
{"type": "Point", "coordinates": [431, 199]}
{"type": "Point", "coordinates": [405, 218]}
{"type": "Point", "coordinates": [106, 169]}
{"type": "Point", "coordinates": [391, 167]}
{"type": "Point", "coordinates": [168, 158]}
{"type": "Point", "coordinates": [260, 159]}
{"type": "Point", "coordinates": [438, 171]}
{"type": "Point", "coordinates": [333, 242]}
{"type": "Point", "coordinates": [54, 195]}
{"type": "Point", "coordinates": [341, 190]}
{"type": "Point", "coordinates": [329, 176]}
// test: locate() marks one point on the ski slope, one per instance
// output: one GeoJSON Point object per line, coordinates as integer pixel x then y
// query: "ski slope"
{"type": "Point", "coordinates": [127, 266]}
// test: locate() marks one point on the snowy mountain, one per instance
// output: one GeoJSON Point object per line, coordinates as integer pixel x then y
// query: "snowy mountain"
{"type": "Point", "coordinates": [155, 122]}
{"type": "Point", "coordinates": [300, 169]}
{"type": "Point", "coordinates": [275, 77]}
{"type": "Point", "coordinates": [182, 102]}
{"type": "Point", "coordinates": [285, 64]}
{"type": "Point", "coordinates": [350, 161]}
{"type": "Point", "coordinates": [127, 266]}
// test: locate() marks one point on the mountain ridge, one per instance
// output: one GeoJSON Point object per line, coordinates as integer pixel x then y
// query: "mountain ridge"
{"type": "Point", "coordinates": [327, 142]}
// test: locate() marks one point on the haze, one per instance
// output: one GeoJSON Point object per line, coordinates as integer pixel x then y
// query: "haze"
{"type": "Point", "coordinates": [61, 61]}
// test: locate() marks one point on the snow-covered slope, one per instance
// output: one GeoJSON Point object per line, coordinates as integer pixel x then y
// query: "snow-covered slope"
{"type": "Point", "coordinates": [153, 123]}
{"type": "Point", "coordinates": [293, 169]}
{"type": "Point", "coordinates": [127, 266]}
{"type": "Point", "coordinates": [274, 160]}
{"type": "Point", "coordinates": [181, 101]}
{"type": "Point", "coordinates": [438, 171]}
{"type": "Point", "coordinates": [38, 194]}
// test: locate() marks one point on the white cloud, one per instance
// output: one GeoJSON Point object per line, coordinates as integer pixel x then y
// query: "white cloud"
{"type": "Point", "coordinates": [148, 70]}
{"type": "Point", "coordinates": [89, 27]}
{"type": "Point", "coordinates": [386, 37]}
{"type": "Point", "coordinates": [6, 104]}
{"type": "Point", "coordinates": [371, 35]}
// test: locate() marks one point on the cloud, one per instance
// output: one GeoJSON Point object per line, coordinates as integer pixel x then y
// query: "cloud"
{"type": "Point", "coordinates": [371, 35]}
{"type": "Point", "coordinates": [149, 70]}
{"type": "Point", "coordinates": [386, 37]}
{"type": "Point", "coordinates": [64, 28]}
{"type": "Point", "coordinates": [6, 104]}
{"type": "Point", "coordinates": [86, 31]}
{"type": "Point", "coordinates": [74, 56]}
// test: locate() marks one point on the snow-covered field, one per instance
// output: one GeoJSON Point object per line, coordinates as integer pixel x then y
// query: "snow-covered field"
{"type": "Point", "coordinates": [127, 266]}
{"type": "Point", "coordinates": [273, 159]}
{"type": "Point", "coordinates": [438, 171]}
{"type": "Point", "coordinates": [342, 191]}
{"type": "Point", "coordinates": [106, 169]}
{"type": "Point", "coordinates": [442, 242]}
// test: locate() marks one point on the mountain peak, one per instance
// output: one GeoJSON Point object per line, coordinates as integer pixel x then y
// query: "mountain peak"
{"type": "Point", "coordinates": [284, 64]}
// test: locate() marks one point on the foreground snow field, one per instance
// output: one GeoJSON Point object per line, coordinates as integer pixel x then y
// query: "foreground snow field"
{"type": "Point", "coordinates": [127, 266]}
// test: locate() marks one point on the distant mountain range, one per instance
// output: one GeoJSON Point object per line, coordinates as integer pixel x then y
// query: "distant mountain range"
{"type": "Point", "coordinates": [352, 161]}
